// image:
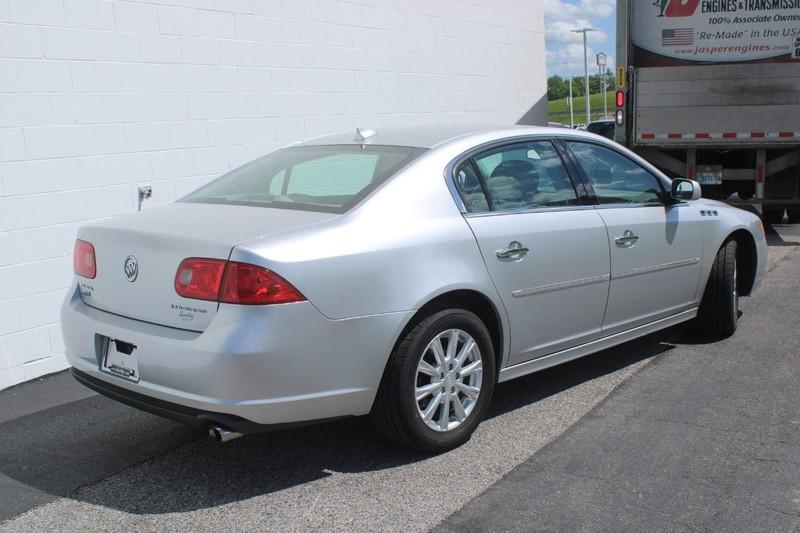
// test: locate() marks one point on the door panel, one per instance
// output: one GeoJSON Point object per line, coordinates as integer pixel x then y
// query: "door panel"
{"type": "Point", "coordinates": [654, 274]}
{"type": "Point", "coordinates": [547, 253]}
{"type": "Point", "coordinates": [655, 245]}
{"type": "Point", "coordinates": [556, 293]}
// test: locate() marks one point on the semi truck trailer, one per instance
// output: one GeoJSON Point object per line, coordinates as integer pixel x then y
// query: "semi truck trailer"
{"type": "Point", "coordinates": [710, 90]}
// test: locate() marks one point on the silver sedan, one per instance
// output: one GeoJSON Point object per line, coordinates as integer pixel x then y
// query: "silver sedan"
{"type": "Point", "coordinates": [399, 273]}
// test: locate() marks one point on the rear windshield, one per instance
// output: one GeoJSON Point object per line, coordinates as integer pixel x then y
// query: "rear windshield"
{"type": "Point", "coordinates": [314, 178]}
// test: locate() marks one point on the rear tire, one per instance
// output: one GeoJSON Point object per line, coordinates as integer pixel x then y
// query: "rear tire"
{"type": "Point", "coordinates": [719, 309]}
{"type": "Point", "coordinates": [773, 215]}
{"type": "Point", "coordinates": [793, 214]}
{"type": "Point", "coordinates": [422, 362]}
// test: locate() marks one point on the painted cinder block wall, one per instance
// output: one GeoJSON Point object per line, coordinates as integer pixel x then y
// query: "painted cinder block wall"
{"type": "Point", "coordinates": [98, 97]}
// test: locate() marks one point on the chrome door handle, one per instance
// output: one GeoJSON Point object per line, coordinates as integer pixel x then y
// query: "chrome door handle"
{"type": "Point", "coordinates": [626, 239]}
{"type": "Point", "coordinates": [515, 250]}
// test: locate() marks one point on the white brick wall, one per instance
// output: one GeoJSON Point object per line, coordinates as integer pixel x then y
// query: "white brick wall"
{"type": "Point", "coordinates": [100, 96]}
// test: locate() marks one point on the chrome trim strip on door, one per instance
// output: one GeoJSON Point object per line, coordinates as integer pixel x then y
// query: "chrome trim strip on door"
{"type": "Point", "coordinates": [559, 286]}
{"type": "Point", "coordinates": [655, 268]}
{"type": "Point", "coordinates": [527, 211]}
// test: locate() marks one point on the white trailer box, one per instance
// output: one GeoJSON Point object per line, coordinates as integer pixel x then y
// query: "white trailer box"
{"type": "Point", "coordinates": [711, 89]}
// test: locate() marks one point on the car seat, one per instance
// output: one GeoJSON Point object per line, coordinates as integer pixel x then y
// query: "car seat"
{"type": "Point", "coordinates": [513, 183]}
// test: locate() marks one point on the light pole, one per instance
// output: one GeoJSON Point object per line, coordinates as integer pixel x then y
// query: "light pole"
{"type": "Point", "coordinates": [602, 60]}
{"type": "Point", "coordinates": [584, 31]}
{"type": "Point", "coordinates": [571, 114]}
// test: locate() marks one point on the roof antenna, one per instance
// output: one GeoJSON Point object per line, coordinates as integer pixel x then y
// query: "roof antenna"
{"type": "Point", "coordinates": [362, 134]}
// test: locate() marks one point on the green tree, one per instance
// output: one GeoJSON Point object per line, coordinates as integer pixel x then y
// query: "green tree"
{"type": "Point", "coordinates": [596, 82]}
{"type": "Point", "coordinates": [577, 86]}
{"type": "Point", "coordinates": [557, 88]}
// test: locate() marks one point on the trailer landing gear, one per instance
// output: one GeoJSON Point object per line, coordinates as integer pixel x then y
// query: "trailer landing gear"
{"type": "Point", "coordinates": [773, 215]}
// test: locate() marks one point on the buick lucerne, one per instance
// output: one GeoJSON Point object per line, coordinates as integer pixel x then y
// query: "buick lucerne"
{"type": "Point", "coordinates": [399, 273]}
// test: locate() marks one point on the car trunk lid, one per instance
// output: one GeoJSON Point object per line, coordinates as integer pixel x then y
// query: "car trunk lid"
{"type": "Point", "coordinates": [138, 255]}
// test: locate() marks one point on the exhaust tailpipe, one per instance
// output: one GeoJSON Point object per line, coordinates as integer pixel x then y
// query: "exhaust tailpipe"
{"type": "Point", "coordinates": [221, 434]}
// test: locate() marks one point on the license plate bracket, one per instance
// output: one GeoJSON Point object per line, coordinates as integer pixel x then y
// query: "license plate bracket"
{"type": "Point", "coordinates": [119, 359]}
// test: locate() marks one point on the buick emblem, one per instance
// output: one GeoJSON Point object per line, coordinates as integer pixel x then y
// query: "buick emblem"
{"type": "Point", "coordinates": [131, 268]}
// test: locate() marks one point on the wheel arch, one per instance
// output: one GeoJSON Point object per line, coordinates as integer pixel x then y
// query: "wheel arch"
{"type": "Point", "coordinates": [469, 300]}
{"type": "Point", "coordinates": [746, 259]}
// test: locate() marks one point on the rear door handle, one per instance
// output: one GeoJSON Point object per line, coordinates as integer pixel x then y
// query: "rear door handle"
{"type": "Point", "coordinates": [515, 250]}
{"type": "Point", "coordinates": [627, 239]}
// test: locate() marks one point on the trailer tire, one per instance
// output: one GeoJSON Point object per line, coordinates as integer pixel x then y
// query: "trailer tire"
{"type": "Point", "coordinates": [793, 214]}
{"type": "Point", "coordinates": [773, 215]}
{"type": "Point", "coordinates": [719, 309]}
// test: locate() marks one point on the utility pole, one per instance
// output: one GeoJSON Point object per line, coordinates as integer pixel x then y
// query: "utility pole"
{"type": "Point", "coordinates": [584, 31]}
{"type": "Point", "coordinates": [602, 61]}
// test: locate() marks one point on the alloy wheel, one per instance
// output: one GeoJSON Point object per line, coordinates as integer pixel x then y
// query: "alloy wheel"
{"type": "Point", "coordinates": [448, 380]}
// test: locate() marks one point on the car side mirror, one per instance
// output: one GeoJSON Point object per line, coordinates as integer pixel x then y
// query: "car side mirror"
{"type": "Point", "coordinates": [683, 190]}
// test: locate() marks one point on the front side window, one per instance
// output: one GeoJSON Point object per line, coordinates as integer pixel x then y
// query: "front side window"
{"type": "Point", "coordinates": [615, 178]}
{"type": "Point", "coordinates": [315, 178]}
{"type": "Point", "coordinates": [525, 175]}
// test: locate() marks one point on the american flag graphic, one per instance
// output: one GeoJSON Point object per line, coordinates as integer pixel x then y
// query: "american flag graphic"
{"type": "Point", "coordinates": [677, 37]}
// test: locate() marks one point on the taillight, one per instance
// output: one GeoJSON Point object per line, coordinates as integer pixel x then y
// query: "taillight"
{"type": "Point", "coordinates": [232, 282]}
{"type": "Point", "coordinates": [199, 278]}
{"type": "Point", "coordinates": [253, 285]}
{"type": "Point", "coordinates": [620, 98]}
{"type": "Point", "coordinates": [84, 262]}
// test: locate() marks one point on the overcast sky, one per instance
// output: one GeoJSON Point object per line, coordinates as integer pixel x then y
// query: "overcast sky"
{"type": "Point", "coordinates": [564, 48]}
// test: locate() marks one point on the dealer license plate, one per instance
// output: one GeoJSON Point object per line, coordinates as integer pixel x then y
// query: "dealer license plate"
{"type": "Point", "coordinates": [120, 359]}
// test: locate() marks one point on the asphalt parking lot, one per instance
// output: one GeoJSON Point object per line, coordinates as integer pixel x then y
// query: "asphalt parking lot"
{"type": "Point", "coordinates": [667, 432]}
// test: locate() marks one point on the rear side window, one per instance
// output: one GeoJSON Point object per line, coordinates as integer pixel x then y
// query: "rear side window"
{"type": "Point", "coordinates": [471, 189]}
{"type": "Point", "coordinates": [315, 178]}
{"type": "Point", "coordinates": [615, 178]}
{"type": "Point", "coordinates": [526, 175]}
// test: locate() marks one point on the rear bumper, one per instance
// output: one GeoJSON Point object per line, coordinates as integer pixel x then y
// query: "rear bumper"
{"type": "Point", "coordinates": [253, 366]}
{"type": "Point", "coordinates": [196, 418]}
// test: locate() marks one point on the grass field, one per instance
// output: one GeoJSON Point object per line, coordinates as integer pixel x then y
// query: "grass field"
{"type": "Point", "coordinates": [559, 109]}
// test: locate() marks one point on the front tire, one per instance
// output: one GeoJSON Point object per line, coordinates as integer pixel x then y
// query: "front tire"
{"type": "Point", "coordinates": [719, 309]}
{"type": "Point", "coordinates": [438, 383]}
